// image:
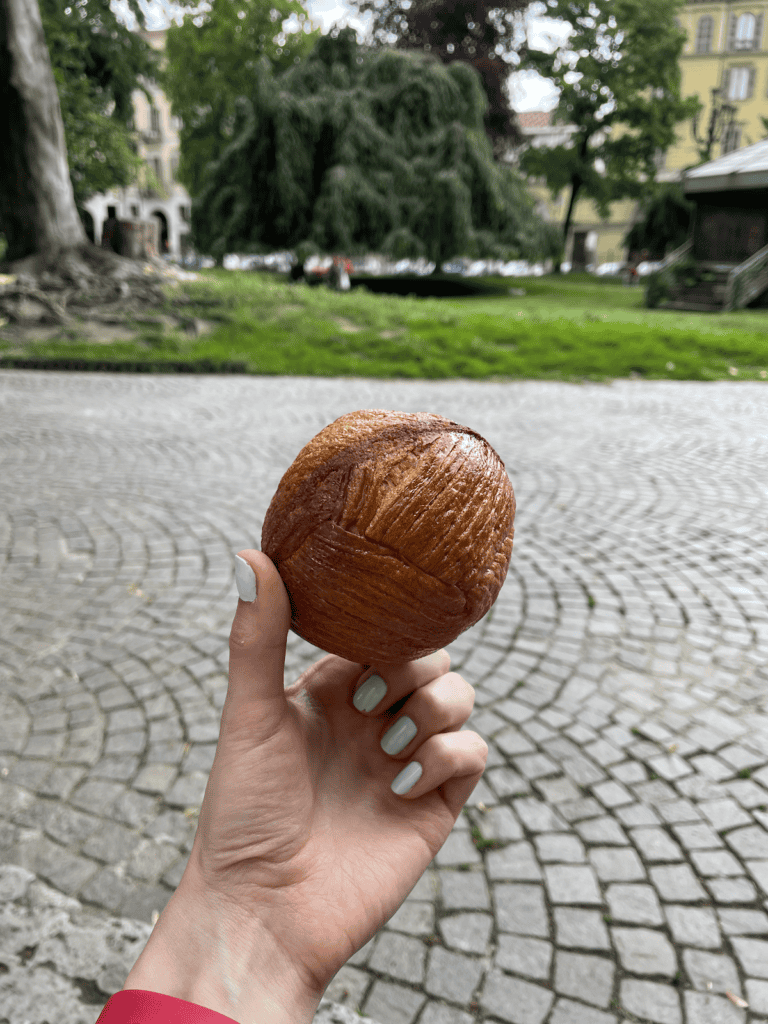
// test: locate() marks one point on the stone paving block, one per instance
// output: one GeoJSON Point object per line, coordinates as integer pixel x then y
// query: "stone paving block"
{"type": "Point", "coordinates": [603, 830]}
{"type": "Point", "coordinates": [724, 813]}
{"type": "Point", "coordinates": [188, 790]}
{"type": "Point", "coordinates": [628, 772]}
{"type": "Point", "coordinates": [705, 1008]}
{"type": "Point", "coordinates": [97, 796]}
{"type": "Point", "coordinates": [693, 926]}
{"type": "Point", "coordinates": [752, 955]}
{"type": "Point", "coordinates": [568, 1012]}
{"type": "Point", "coordinates": [388, 1003]}
{"type": "Point", "coordinates": [111, 843]}
{"type": "Point", "coordinates": [452, 976]}
{"type": "Point", "coordinates": [400, 957]}
{"type": "Point", "coordinates": [505, 782]}
{"type": "Point", "coordinates": [466, 932]}
{"type": "Point", "coordinates": [747, 793]}
{"type": "Point", "coordinates": [636, 904]}
{"type": "Point", "coordinates": [743, 922]}
{"type": "Point", "coordinates": [557, 791]}
{"type": "Point", "coordinates": [533, 766]}
{"type": "Point", "coordinates": [676, 812]}
{"type": "Point", "coordinates": [516, 861]}
{"type": "Point", "coordinates": [499, 823]}
{"type": "Point", "coordinates": [579, 810]}
{"type": "Point", "coordinates": [417, 917]}
{"type": "Point", "coordinates": [712, 767]}
{"type": "Point", "coordinates": [650, 1001]}
{"type": "Point", "coordinates": [757, 995]}
{"type": "Point", "coordinates": [530, 957]}
{"type": "Point", "coordinates": [580, 929]}
{"type": "Point", "coordinates": [70, 827]}
{"type": "Point", "coordinates": [588, 978]}
{"type": "Point", "coordinates": [644, 951]}
{"type": "Point", "coordinates": [711, 971]}
{"type": "Point", "coordinates": [716, 862]}
{"type": "Point", "coordinates": [677, 882]}
{"type": "Point", "coordinates": [656, 845]}
{"type": "Point", "coordinates": [463, 890]}
{"type": "Point", "coordinates": [612, 794]}
{"type": "Point", "coordinates": [637, 815]}
{"type": "Point", "coordinates": [520, 909]}
{"type": "Point", "coordinates": [758, 869]}
{"type": "Point", "coordinates": [513, 1000]}
{"type": "Point", "coordinates": [732, 890]}
{"type": "Point", "coordinates": [558, 846]}
{"type": "Point", "coordinates": [571, 884]}
{"type": "Point", "coordinates": [749, 843]}
{"type": "Point", "coordinates": [616, 865]}
{"type": "Point", "coordinates": [537, 816]}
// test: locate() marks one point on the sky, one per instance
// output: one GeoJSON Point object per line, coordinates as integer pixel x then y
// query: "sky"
{"type": "Point", "coordinates": [527, 90]}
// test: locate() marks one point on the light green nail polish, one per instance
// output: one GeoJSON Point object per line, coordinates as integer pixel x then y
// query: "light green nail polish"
{"type": "Point", "coordinates": [399, 735]}
{"type": "Point", "coordinates": [371, 693]}
{"type": "Point", "coordinates": [407, 778]}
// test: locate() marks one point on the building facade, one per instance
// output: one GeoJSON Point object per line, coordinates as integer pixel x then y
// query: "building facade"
{"type": "Point", "coordinates": [161, 199]}
{"type": "Point", "coordinates": [726, 50]}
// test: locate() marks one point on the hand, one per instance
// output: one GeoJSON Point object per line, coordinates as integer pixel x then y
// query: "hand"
{"type": "Point", "coordinates": [303, 851]}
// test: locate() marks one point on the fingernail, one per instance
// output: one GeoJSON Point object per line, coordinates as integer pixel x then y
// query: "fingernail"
{"type": "Point", "coordinates": [371, 693]}
{"type": "Point", "coordinates": [245, 578]}
{"type": "Point", "coordinates": [399, 735]}
{"type": "Point", "coordinates": [407, 778]}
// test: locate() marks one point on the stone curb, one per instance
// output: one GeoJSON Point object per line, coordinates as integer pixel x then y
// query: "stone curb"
{"type": "Point", "coordinates": [60, 962]}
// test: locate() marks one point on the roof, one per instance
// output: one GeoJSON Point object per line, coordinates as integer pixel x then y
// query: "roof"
{"type": "Point", "coordinates": [743, 168]}
{"type": "Point", "coordinates": [534, 118]}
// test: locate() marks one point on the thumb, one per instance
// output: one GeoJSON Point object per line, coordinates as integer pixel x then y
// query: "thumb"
{"type": "Point", "coordinates": [259, 633]}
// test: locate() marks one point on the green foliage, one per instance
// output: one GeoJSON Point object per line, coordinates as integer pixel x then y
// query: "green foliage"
{"type": "Point", "coordinates": [658, 288]}
{"type": "Point", "coordinates": [619, 80]}
{"type": "Point", "coordinates": [213, 58]}
{"type": "Point", "coordinates": [97, 63]}
{"type": "Point", "coordinates": [665, 220]}
{"type": "Point", "coordinates": [481, 33]}
{"type": "Point", "coordinates": [361, 150]}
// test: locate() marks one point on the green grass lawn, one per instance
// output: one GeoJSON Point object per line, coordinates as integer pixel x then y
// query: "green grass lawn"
{"type": "Point", "coordinates": [573, 327]}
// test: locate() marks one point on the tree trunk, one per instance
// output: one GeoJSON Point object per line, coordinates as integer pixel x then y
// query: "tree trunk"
{"type": "Point", "coordinates": [37, 203]}
{"type": "Point", "coordinates": [576, 184]}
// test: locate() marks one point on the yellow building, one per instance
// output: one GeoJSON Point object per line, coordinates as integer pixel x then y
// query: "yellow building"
{"type": "Point", "coordinates": [162, 200]}
{"type": "Point", "coordinates": [726, 49]}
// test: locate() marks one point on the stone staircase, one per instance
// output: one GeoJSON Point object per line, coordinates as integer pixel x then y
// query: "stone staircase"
{"type": "Point", "coordinates": [716, 287]}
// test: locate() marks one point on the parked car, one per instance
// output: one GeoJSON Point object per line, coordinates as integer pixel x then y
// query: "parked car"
{"type": "Point", "coordinates": [611, 269]}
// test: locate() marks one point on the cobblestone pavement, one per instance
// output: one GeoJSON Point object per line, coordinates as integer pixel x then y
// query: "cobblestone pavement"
{"type": "Point", "coordinates": [612, 864]}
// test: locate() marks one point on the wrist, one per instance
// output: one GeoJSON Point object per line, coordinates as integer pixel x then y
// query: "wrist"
{"type": "Point", "coordinates": [211, 958]}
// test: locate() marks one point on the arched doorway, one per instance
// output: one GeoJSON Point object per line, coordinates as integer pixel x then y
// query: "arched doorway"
{"type": "Point", "coordinates": [162, 231]}
{"type": "Point", "coordinates": [88, 225]}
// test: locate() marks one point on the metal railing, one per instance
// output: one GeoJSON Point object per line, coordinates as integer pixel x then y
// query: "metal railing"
{"type": "Point", "coordinates": [746, 281]}
{"type": "Point", "coordinates": [676, 255]}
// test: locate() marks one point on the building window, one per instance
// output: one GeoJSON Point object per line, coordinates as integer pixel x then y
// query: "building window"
{"type": "Point", "coordinates": [157, 166]}
{"type": "Point", "coordinates": [154, 125]}
{"type": "Point", "coordinates": [134, 211]}
{"type": "Point", "coordinates": [731, 139]}
{"type": "Point", "coordinates": [174, 165]}
{"type": "Point", "coordinates": [745, 32]}
{"type": "Point", "coordinates": [704, 32]}
{"type": "Point", "coordinates": [739, 83]}
{"type": "Point", "coordinates": [184, 213]}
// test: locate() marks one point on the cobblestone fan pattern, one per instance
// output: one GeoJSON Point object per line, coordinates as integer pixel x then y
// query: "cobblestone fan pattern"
{"type": "Point", "coordinates": [611, 865]}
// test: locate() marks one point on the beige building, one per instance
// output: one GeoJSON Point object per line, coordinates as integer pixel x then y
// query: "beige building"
{"type": "Point", "coordinates": [159, 198]}
{"type": "Point", "coordinates": [727, 50]}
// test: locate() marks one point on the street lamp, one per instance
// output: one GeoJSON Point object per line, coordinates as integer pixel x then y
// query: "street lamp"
{"type": "Point", "coordinates": [722, 117]}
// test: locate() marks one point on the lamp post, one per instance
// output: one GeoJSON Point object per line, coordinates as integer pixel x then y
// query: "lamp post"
{"type": "Point", "coordinates": [722, 117]}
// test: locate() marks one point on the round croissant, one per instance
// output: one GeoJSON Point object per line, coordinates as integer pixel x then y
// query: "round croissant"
{"type": "Point", "coordinates": [392, 533]}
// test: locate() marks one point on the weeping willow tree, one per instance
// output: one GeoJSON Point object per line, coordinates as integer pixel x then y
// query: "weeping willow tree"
{"type": "Point", "coordinates": [355, 150]}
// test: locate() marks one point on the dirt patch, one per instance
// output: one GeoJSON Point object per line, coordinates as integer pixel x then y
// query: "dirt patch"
{"type": "Point", "coordinates": [346, 325]}
{"type": "Point", "coordinates": [103, 332]}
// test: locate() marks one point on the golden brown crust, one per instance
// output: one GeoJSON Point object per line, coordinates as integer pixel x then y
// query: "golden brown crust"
{"type": "Point", "coordinates": [392, 533]}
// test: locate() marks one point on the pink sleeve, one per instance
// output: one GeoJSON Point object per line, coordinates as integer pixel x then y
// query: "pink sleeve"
{"type": "Point", "coordinates": [135, 1006]}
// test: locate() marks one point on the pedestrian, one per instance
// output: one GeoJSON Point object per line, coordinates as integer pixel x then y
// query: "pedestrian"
{"type": "Point", "coordinates": [310, 835]}
{"type": "Point", "coordinates": [110, 233]}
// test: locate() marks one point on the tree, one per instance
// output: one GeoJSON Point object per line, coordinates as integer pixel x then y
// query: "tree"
{"type": "Point", "coordinates": [46, 243]}
{"type": "Point", "coordinates": [619, 81]}
{"type": "Point", "coordinates": [353, 150]}
{"type": "Point", "coordinates": [97, 64]}
{"type": "Point", "coordinates": [224, 47]}
{"type": "Point", "coordinates": [482, 33]}
{"type": "Point", "coordinates": [664, 223]}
